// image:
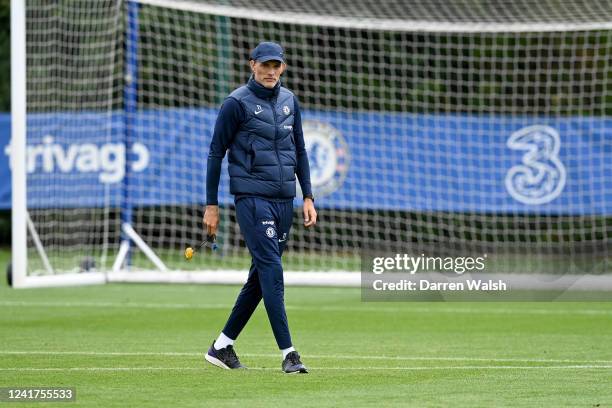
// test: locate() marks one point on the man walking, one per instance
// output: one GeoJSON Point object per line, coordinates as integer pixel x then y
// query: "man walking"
{"type": "Point", "coordinates": [260, 124]}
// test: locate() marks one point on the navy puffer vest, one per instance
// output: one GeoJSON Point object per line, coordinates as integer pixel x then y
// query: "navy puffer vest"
{"type": "Point", "coordinates": [262, 158]}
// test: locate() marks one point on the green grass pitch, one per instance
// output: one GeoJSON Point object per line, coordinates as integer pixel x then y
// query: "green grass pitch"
{"type": "Point", "coordinates": [126, 345]}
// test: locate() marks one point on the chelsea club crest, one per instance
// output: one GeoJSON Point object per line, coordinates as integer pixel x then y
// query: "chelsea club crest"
{"type": "Point", "coordinates": [328, 155]}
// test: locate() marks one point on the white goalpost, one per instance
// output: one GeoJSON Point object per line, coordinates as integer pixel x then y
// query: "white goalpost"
{"type": "Point", "coordinates": [18, 143]}
{"type": "Point", "coordinates": [451, 128]}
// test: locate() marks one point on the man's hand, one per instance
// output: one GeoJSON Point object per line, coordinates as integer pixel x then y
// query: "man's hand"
{"type": "Point", "coordinates": [310, 214]}
{"type": "Point", "coordinates": [211, 219]}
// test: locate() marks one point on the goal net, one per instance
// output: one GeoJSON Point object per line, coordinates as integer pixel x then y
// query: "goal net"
{"type": "Point", "coordinates": [450, 127]}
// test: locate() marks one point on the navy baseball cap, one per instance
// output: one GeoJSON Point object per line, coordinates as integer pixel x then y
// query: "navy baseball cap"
{"type": "Point", "coordinates": [267, 51]}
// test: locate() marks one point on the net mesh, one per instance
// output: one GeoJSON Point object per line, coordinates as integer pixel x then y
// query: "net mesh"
{"type": "Point", "coordinates": [416, 138]}
{"type": "Point", "coordinates": [74, 70]}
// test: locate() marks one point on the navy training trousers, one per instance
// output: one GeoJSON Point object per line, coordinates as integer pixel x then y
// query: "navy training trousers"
{"type": "Point", "coordinates": [265, 226]}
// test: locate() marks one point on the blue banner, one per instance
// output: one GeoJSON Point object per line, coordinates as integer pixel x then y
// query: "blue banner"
{"type": "Point", "coordinates": [5, 172]}
{"type": "Point", "coordinates": [359, 160]}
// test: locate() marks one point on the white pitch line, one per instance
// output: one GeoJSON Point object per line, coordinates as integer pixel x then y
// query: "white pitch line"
{"type": "Point", "coordinates": [116, 305]}
{"type": "Point", "coordinates": [424, 358]}
{"type": "Point", "coordinates": [314, 356]}
{"type": "Point", "coordinates": [353, 309]}
{"type": "Point", "coordinates": [100, 368]}
{"type": "Point", "coordinates": [106, 353]}
{"type": "Point", "coordinates": [419, 368]}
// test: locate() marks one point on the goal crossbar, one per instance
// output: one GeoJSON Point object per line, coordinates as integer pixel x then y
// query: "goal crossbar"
{"type": "Point", "coordinates": [378, 24]}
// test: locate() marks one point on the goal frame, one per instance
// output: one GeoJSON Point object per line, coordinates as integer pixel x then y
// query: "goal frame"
{"type": "Point", "coordinates": [120, 271]}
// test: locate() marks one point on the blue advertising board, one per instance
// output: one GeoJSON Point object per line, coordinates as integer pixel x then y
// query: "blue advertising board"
{"type": "Point", "coordinates": [359, 160]}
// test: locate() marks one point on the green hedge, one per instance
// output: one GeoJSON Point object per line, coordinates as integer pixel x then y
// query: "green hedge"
{"type": "Point", "coordinates": [5, 227]}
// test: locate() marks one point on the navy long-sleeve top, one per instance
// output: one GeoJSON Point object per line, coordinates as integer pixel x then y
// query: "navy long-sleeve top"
{"type": "Point", "coordinates": [231, 116]}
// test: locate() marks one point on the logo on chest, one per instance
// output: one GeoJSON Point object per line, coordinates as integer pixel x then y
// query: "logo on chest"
{"type": "Point", "coordinates": [286, 110]}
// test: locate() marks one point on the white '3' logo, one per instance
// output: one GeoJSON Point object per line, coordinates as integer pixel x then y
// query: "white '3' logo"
{"type": "Point", "coordinates": [541, 176]}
